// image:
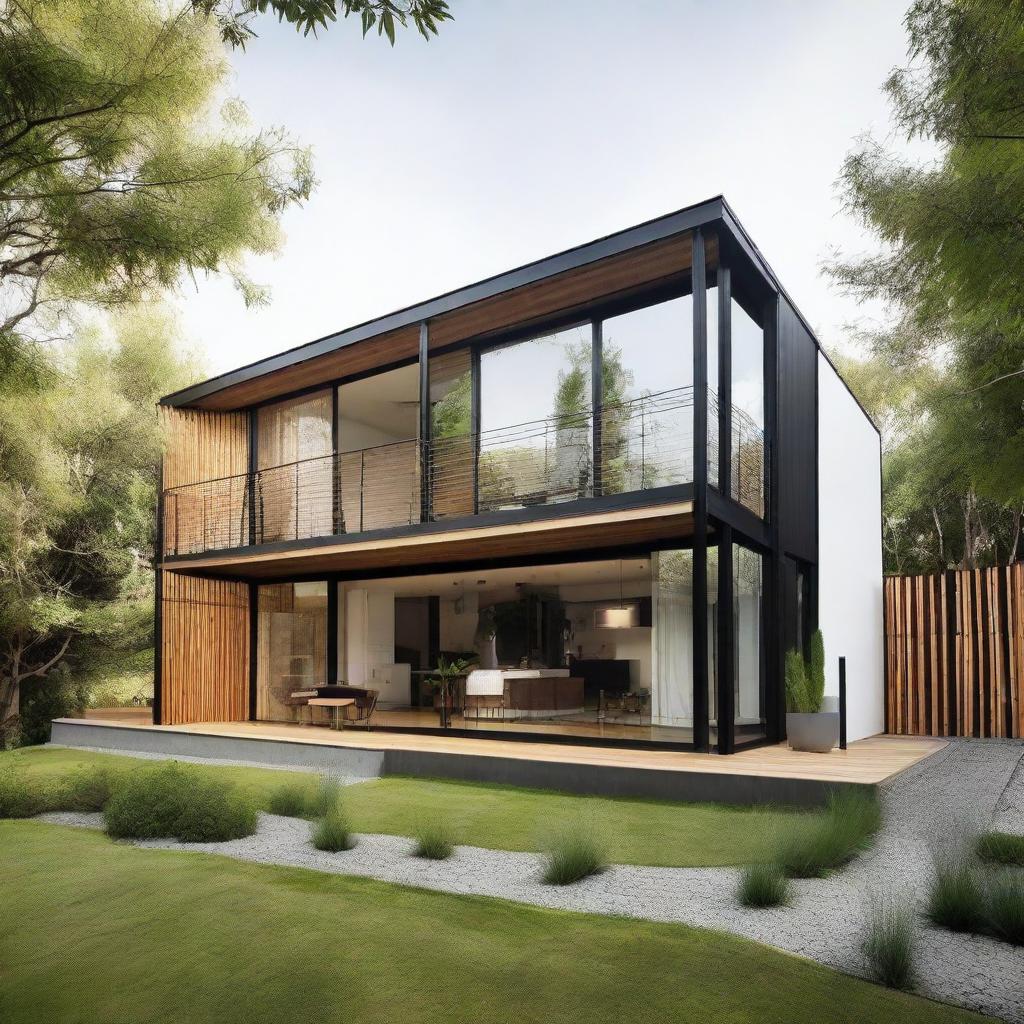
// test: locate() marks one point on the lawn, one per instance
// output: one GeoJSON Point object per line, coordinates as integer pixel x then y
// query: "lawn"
{"type": "Point", "coordinates": [504, 817]}
{"type": "Point", "coordinates": [96, 931]}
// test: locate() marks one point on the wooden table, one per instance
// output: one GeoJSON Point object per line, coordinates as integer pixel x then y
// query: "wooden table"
{"type": "Point", "coordinates": [332, 702]}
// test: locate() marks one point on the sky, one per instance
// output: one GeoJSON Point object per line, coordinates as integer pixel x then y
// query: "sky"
{"type": "Point", "coordinates": [528, 127]}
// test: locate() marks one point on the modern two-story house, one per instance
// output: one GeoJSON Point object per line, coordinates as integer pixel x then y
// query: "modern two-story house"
{"type": "Point", "coordinates": [613, 486]}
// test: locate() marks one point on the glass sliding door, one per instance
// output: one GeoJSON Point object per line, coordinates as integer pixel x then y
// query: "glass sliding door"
{"type": "Point", "coordinates": [748, 643]}
{"type": "Point", "coordinates": [294, 492]}
{"type": "Point", "coordinates": [672, 694]}
{"type": "Point", "coordinates": [291, 648]}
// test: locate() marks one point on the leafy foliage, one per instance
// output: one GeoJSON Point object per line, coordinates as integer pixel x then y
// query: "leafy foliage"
{"type": "Point", "coordinates": [234, 17]}
{"type": "Point", "coordinates": [805, 681]}
{"type": "Point", "coordinates": [949, 364]}
{"type": "Point", "coordinates": [170, 800]}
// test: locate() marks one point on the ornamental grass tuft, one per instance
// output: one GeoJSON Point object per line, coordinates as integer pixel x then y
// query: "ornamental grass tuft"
{"type": "Point", "coordinates": [1001, 848]}
{"type": "Point", "coordinates": [291, 799]}
{"type": "Point", "coordinates": [332, 833]}
{"type": "Point", "coordinates": [820, 843]}
{"type": "Point", "coordinates": [433, 841]}
{"type": "Point", "coordinates": [763, 885]}
{"type": "Point", "coordinates": [889, 944]}
{"type": "Point", "coordinates": [572, 855]}
{"type": "Point", "coordinates": [957, 897]}
{"type": "Point", "coordinates": [1004, 907]}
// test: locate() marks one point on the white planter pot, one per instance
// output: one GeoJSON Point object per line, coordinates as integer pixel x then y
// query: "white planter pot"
{"type": "Point", "coordinates": [816, 732]}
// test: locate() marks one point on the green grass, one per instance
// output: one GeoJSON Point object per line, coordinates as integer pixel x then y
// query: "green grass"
{"type": "Point", "coordinates": [821, 843]}
{"type": "Point", "coordinates": [957, 897]}
{"type": "Point", "coordinates": [763, 885]}
{"type": "Point", "coordinates": [1001, 848]}
{"type": "Point", "coordinates": [1004, 907]}
{"type": "Point", "coordinates": [332, 832]}
{"type": "Point", "coordinates": [433, 841]}
{"type": "Point", "coordinates": [99, 932]}
{"type": "Point", "coordinates": [573, 853]}
{"type": "Point", "coordinates": [652, 832]}
{"type": "Point", "coordinates": [889, 944]}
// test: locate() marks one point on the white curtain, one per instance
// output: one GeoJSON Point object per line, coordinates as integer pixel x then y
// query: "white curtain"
{"type": "Point", "coordinates": [672, 637]}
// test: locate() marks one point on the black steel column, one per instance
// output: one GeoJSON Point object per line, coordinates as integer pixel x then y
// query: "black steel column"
{"type": "Point", "coordinates": [842, 703]}
{"type": "Point", "coordinates": [254, 621]}
{"type": "Point", "coordinates": [596, 402]}
{"type": "Point", "coordinates": [337, 514]}
{"type": "Point", "coordinates": [724, 424]}
{"type": "Point", "coordinates": [425, 514]}
{"type": "Point", "coordinates": [775, 711]}
{"type": "Point", "coordinates": [700, 496]}
{"type": "Point", "coordinates": [332, 632]}
{"type": "Point", "coordinates": [726, 693]}
{"type": "Point", "coordinates": [474, 422]}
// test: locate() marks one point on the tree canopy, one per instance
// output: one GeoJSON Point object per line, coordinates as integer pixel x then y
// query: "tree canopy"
{"type": "Point", "coordinates": [951, 272]}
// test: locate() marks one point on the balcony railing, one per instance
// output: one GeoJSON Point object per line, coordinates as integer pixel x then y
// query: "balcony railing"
{"type": "Point", "coordinates": [641, 444]}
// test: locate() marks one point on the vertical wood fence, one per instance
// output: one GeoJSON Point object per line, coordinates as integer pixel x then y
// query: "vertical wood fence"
{"type": "Point", "coordinates": [954, 653]}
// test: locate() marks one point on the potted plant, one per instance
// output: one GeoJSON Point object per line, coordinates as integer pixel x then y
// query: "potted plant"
{"type": "Point", "coordinates": [445, 673]}
{"type": "Point", "coordinates": [807, 726]}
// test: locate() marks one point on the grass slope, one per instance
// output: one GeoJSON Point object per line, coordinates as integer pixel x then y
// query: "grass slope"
{"type": "Point", "coordinates": [99, 932]}
{"type": "Point", "coordinates": [501, 817]}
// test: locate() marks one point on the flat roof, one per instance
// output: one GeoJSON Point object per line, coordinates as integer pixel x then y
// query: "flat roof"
{"type": "Point", "coordinates": [709, 211]}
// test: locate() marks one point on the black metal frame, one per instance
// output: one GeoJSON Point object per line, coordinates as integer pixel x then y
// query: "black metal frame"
{"type": "Point", "coordinates": [742, 274]}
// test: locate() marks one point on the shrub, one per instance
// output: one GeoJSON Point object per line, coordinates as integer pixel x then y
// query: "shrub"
{"type": "Point", "coordinates": [820, 843]}
{"type": "Point", "coordinates": [433, 842]}
{"type": "Point", "coordinates": [805, 680]}
{"type": "Point", "coordinates": [87, 789]}
{"type": "Point", "coordinates": [332, 833]}
{"type": "Point", "coordinates": [22, 796]}
{"type": "Point", "coordinates": [763, 885]}
{"type": "Point", "coordinates": [797, 697]}
{"type": "Point", "coordinates": [1001, 848]}
{"type": "Point", "coordinates": [889, 944]}
{"type": "Point", "coordinates": [573, 855]}
{"type": "Point", "coordinates": [170, 800]}
{"type": "Point", "coordinates": [1004, 907]}
{"type": "Point", "coordinates": [291, 800]}
{"type": "Point", "coordinates": [956, 900]}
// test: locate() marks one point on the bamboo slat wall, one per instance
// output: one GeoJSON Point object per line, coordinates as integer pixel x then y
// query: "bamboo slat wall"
{"type": "Point", "coordinates": [204, 650]}
{"type": "Point", "coordinates": [954, 645]}
{"type": "Point", "coordinates": [202, 445]}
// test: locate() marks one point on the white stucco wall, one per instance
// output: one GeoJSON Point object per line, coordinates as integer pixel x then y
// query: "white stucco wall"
{"type": "Point", "coordinates": [850, 552]}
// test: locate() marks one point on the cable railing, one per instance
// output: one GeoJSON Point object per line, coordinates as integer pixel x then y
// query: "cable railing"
{"type": "Point", "coordinates": [635, 445]}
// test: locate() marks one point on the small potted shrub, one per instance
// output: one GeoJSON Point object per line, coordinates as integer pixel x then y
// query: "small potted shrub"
{"type": "Point", "coordinates": [807, 726]}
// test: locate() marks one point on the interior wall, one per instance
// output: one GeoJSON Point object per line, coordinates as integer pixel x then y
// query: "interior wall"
{"type": "Point", "coordinates": [850, 611]}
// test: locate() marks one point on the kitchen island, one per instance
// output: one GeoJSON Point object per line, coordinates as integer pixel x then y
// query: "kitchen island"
{"type": "Point", "coordinates": [516, 693]}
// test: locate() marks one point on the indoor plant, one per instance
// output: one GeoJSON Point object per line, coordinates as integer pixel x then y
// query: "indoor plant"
{"type": "Point", "coordinates": [807, 726]}
{"type": "Point", "coordinates": [445, 673]}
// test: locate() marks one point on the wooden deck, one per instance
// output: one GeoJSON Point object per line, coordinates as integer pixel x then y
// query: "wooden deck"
{"type": "Point", "coordinates": [866, 762]}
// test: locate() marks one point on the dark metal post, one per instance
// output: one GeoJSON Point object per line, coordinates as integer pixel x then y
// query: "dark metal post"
{"type": "Point", "coordinates": [425, 438]}
{"type": "Point", "coordinates": [337, 517]}
{"type": "Point", "coordinates": [597, 405]}
{"type": "Point", "coordinates": [776, 706]}
{"type": "Point", "coordinates": [724, 424]}
{"type": "Point", "coordinates": [700, 497]}
{"type": "Point", "coordinates": [842, 703]}
{"type": "Point", "coordinates": [251, 476]}
{"type": "Point", "coordinates": [474, 423]}
{"type": "Point", "coordinates": [726, 716]}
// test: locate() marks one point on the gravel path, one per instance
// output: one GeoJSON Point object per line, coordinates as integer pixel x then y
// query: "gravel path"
{"type": "Point", "coordinates": [965, 785]}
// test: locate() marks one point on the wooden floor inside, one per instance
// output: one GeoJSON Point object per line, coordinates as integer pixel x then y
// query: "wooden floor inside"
{"type": "Point", "coordinates": [867, 761]}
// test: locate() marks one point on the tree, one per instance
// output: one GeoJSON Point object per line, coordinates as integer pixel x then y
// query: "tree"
{"type": "Point", "coordinates": [116, 175]}
{"type": "Point", "coordinates": [78, 454]}
{"type": "Point", "coordinates": [234, 17]}
{"type": "Point", "coordinates": [951, 270]}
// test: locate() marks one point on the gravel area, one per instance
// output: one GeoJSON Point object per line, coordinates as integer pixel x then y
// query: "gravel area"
{"type": "Point", "coordinates": [962, 786]}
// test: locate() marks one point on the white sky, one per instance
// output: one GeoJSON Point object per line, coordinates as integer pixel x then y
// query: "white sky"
{"type": "Point", "coordinates": [529, 126]}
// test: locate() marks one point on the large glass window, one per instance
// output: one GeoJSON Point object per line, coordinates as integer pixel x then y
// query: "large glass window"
{"type": "Point", "coordinates": [294, 494]}
{"type": "Point", "coordinates": [672, 695]}
{"type": "Point", "coordinates": [647, 397]}
{"type": "Point", "coordinates": [748, 642]}
{"type": "Point", "coordinates": [747, 410]}
{"type": "Point", "coordinates": [535, 422]}
{"type": "Point", "coordinates": [378, 461]}
{"type": "Point", "coordinates": [452, 446]}
{"type": "Point", "coordinates": [291, 654]}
